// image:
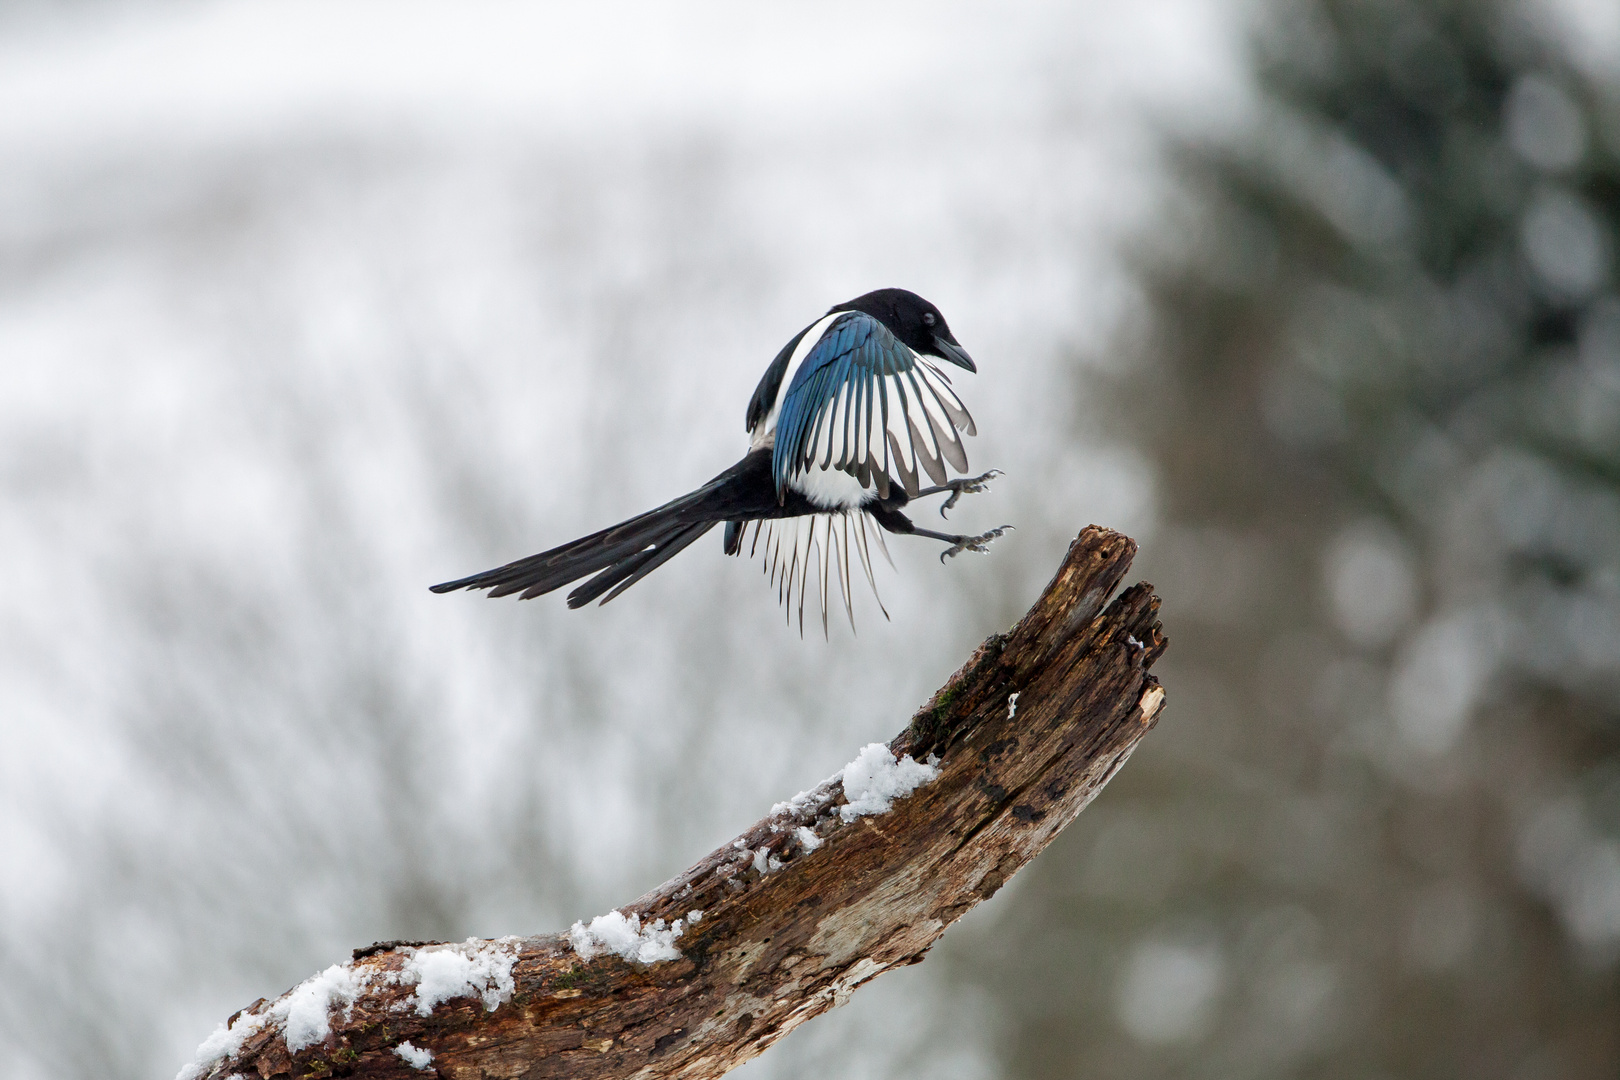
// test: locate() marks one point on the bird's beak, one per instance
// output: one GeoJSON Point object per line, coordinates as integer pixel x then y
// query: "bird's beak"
{"type": "Point", "coordinates": [953, 352]}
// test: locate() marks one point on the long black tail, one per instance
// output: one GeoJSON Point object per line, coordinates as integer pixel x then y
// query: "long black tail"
{"type": "Point", "coordinates": [622, 555]}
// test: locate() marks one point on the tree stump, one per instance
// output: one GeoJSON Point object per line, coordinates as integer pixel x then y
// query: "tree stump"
{"type": "Point", "coordinates": [786, 921]}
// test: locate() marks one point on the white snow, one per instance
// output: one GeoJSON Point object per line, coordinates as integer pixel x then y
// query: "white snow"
{"type": "Point", "coordinates": [876, 778]}
{"type": "Point", "coordinates": [797, 805]}
{"type": "Point", "coordinates": [765, 862]}
{"type": "Point", "coordinates": [304, 1008]}
{"type": "Point", "coordinates": [224, 1042]}
{"type": "Point", "coordinates": [624, 936]}
{"type": "Point", "coordinates": [1012, 704]}
{"type": "Point", "coordinates": [472, 968]}
{"type": "Point", "coordinates": [417, 1057]}
{"type": "Point", "coordinates": [302, 1014]}
{"type": "Point", "coordinates": [695, 915]}
{"type": "Point", "coordinates": [483, 969]}
{"type": "Point", "coordinates": [871, 784]}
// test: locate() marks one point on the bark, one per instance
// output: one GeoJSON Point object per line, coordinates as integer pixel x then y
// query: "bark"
{"type": "Point", "coordinates": [791, 924]}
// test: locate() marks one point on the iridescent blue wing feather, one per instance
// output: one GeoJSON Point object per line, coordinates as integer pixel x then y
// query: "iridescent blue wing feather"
{"type": "Point", "coordinates": [864, 403]}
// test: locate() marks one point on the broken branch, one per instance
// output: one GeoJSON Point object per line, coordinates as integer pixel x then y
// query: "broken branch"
{"type": "Point", "coordinates": [854, 877]}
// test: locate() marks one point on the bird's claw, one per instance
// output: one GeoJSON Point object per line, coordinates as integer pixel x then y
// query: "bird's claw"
{"type": "Point", "coordinates": [967, 486]}
{"type": "Point", "coordinates": [980, 543]}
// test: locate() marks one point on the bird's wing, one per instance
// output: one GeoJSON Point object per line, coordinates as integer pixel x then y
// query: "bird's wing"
{"type": "Point", "coordinates": [862, 402]}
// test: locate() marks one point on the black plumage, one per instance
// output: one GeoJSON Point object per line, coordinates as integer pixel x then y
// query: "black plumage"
{"type": "Point", "coordinates": [865, 411]}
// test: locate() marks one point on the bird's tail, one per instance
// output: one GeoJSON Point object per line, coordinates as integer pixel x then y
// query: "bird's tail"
{"type": "Point", "coordinates": [625, 553]}
{"type": "Point", "coordinates": [619, 557]}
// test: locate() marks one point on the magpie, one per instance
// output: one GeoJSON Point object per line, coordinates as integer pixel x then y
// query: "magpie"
{"type": "Point", "coordinates": [846, 440]}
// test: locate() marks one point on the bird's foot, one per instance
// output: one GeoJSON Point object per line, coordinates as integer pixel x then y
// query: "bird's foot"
{"type": "Point", "coordinates": [966, 486]}
{"type": "Point", "coordinates": [980, 543]}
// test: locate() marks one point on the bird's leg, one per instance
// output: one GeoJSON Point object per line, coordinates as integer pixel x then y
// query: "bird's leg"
{"type": "Point", "coordinates": [896, 522]}
{"type": "Point", "coordinates": [959, 488]}
{"type": "Point", "coordinates": [959, 544]}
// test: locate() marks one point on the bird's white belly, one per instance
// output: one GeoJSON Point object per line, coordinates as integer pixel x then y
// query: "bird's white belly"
{"type": "Point", "coordinates": [831, 489]}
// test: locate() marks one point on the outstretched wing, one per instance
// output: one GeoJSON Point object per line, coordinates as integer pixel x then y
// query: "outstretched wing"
{"type": "Point", "coordinates": [862, 402]}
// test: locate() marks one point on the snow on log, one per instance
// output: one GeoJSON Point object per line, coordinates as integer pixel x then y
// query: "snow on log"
{"type": "Point", "coordinates": [836, 885]}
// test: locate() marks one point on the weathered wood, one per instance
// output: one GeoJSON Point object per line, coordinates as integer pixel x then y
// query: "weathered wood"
{"type": "Point", "coordinates": [790, 924]}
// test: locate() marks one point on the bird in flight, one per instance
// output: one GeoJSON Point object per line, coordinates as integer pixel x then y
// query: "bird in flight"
{"type": "Point", "coordinates": [847, 419]}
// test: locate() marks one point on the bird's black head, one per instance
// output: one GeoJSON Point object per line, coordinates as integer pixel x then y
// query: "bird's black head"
{"type": "Point", "coordinates": [916, 322]}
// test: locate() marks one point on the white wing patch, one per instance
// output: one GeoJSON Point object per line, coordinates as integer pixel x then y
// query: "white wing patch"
{"type": "Point", "coordinates": [818, 551]}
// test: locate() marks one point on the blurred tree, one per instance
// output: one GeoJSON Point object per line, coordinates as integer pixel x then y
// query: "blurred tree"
{"type": "Point", "coordinates": [1378, 367]}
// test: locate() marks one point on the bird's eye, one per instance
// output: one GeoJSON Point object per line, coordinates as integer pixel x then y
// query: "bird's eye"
{"type": "Point", "coordinates": [928, 318]}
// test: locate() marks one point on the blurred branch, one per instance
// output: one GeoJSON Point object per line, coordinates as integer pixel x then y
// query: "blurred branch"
{"type": "Point", "coordinates": [779, 925]}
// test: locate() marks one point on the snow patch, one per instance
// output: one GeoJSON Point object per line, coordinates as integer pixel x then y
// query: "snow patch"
{"type": "Point", "coordinates": [472, 968]}
{"type": "Point", "coordinates": [765, 862]}
{"type": "Point", "coordinates": [807, 838]}
{"type": "Point", "coordinates": [224, 1042]}
{"type": "Point", "coordinates": [876, 778]}
{"type": "Point", "coordinates": [798, 805]}
{"type": "Point", "coordinates": [303, 1009]}
{"type": "Point", "coordinates": [694, 916]}
{"type": "Point", "coordinates": [624, 936]}
{"type": "Point", "coordinates": [303, 1015]}
{"type": "Point", "coordinates": [1012, 704]}
{"type": "Point", "coordinates": [417, 1057]}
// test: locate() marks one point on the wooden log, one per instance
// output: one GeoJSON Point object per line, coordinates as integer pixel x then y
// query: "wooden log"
{"type": "Point", "coordinates": [786, 921]}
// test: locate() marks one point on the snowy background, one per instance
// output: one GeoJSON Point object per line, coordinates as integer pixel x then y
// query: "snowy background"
{"type": "Point", "coordinates": [307, 305]}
